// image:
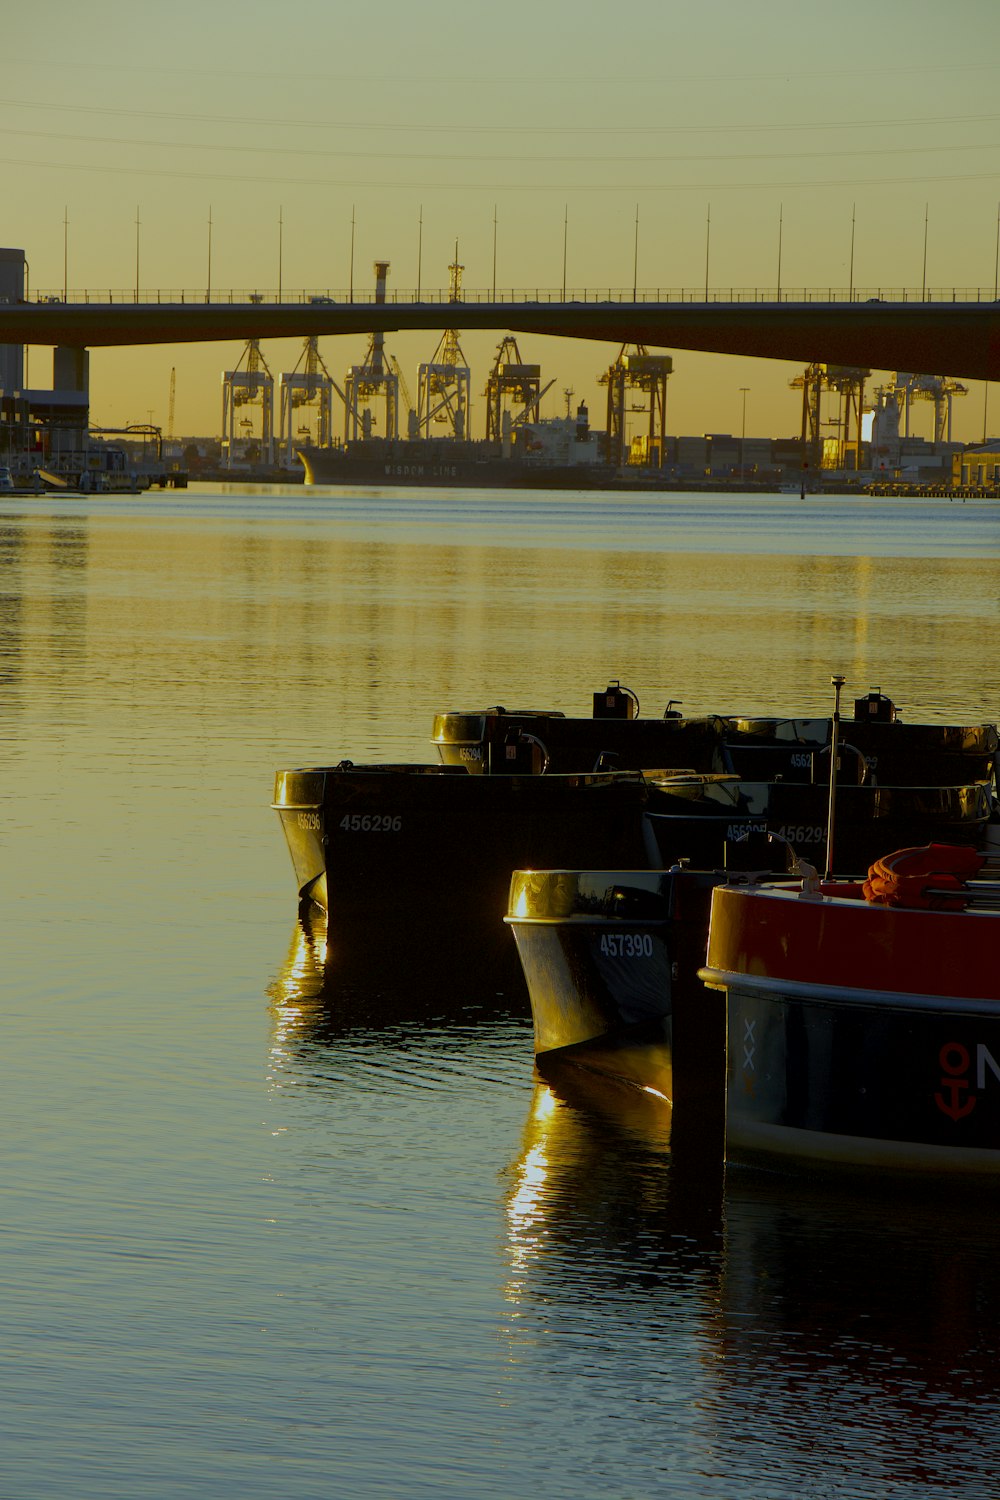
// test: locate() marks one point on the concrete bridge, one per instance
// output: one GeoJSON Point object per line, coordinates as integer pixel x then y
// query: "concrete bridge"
{"type": "Point", "coordinates": [921, 334]}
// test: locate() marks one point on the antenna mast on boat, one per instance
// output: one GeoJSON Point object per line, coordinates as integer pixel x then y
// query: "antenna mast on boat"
{"type": "Point", "coordinates": [836, 683]}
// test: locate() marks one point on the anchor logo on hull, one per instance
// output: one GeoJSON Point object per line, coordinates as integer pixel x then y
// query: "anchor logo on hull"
{"type": "Point", "coordinates": [954, 1098]}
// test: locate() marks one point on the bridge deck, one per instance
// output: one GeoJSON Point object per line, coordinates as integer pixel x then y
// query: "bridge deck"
{"type": "Point", "coordinates": [959, 338]}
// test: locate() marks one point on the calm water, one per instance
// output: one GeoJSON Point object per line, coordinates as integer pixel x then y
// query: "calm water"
{"type": "Point", "coordinates": [270, 1234]}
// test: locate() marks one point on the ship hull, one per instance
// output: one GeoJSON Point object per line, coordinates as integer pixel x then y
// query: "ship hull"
{"type": "Point", "coordinates": [695, 820]}
{"type": "Point", "coordinates": [413, 863]}
{"type": "Point", "coordinates": [438, 469]}
{"type": "Point", "coordinates": [611, 961]}
{"type": "Point", "coordinates": [757, 749]}
{"type": "Point", "coordinates": [858, 1034]}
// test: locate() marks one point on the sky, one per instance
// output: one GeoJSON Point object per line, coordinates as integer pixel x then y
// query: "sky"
{"type": "Point", "coordinates": [856, 144]}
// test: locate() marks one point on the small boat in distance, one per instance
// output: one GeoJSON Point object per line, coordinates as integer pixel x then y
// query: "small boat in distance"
{"type": "Point", "coordinates": [863, 1020]}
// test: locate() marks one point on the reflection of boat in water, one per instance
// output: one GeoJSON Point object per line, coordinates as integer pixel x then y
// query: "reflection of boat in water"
{"type": "Point", "coordinates": [800, 1331]}
{"type": "Point", "coordinates": [856, 1334]}
{"type": "Point", "coordinates": [864, 1023]}
{"type": "Point", "coordinates": [599, 1180]}
{"type": "Point", "coordinates": [322, 994]}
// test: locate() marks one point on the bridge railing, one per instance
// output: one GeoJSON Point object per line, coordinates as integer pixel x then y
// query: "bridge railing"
{"type": "Point", "coordinates": [186, 296]}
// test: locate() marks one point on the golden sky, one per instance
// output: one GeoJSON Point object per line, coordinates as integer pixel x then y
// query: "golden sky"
{"type": "Point", "coordinates": [748, 136]}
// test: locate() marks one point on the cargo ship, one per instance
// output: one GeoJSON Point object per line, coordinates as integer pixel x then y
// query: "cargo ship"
{"type": "Point", "coordinates": [447, 462]}
{"type": "Point", "coordinates": [559, 453]}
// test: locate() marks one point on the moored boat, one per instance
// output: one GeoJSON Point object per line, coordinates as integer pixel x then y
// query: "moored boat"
{"type": "Point", "coordinates": [875, 747]}
{"type": "Point", "coordinates": [611, 960]}
{"type": "Point", "coordinates": [694, 817]}
{"type": "Point", "coordinates": [559, 453]}
{"type": "Point", "coordinates": [427, 850]}
{"type": "Point", "coordinates": [863, 1029]}
{"type": "Point", "coordinates": [614, 736]}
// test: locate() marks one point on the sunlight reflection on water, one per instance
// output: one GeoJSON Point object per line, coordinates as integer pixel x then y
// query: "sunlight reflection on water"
{"type": "Point", "coordinates": [269, 1231]}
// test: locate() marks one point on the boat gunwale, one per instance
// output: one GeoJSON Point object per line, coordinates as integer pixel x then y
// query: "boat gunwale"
{"type": "Point", "coordinates": [580, 919]}
{"type": "Point", "coordinates": [772, 1147]}
{"type": "Point", "coordinates": [810, 993]}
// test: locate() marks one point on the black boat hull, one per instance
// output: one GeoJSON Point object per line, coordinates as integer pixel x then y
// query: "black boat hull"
{"type": "Point", "coordinates": [886, 753]}
{"type": "Point", "coordinates": [446, 464]}
{"type": "Point", "coordinates": [478, 740]}
{"type": "Point", "coordinates": [418, 858]}
{"type": "Point", "coordinates": [857, 1080]}
{"type": "Point", "coordinates": [695, 820]}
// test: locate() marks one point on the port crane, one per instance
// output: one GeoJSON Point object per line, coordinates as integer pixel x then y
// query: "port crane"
{"type": "Point", "coordinates": [308, 389]}
{"type": "Point", "coordinates": [938, 389]}
{"type": "Point", "coordinates": [848, 381]}
{"type": "Point", "coordinates": [444, 383]}
{"type": "Point", "coordinates": [512, 380]}
{"type": "Point", "coordinates": [412, 423]}
{"type": "Point", "coordinates": [373, 378]}
{"type": "Point", "coordinates": [250, 385]}
{"type": "Point", "coordinates": [635, 369]}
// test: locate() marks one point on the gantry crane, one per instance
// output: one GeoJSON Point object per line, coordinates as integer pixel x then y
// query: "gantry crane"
{"type": "Point", "coordinates": [647, 373]}
{"type": "Point", "coordinates": [849, 383]}
{"type": "Point", "coordinates": [309, 388]}
{"type": "Point", "coordinates": [444, 383]}
{"type": "Point", "coordinates": [810, 383]}
{"type": "Point", "coordinates": [938, 389]}
{"type": "Point", "coordinates": [513, 392]}
{"type": "Point", "coordinates": [412, 429]}
{"type": "Point", "coordinates": [250, 384]}
{"type": "Point", "coordinates": [364, 384]}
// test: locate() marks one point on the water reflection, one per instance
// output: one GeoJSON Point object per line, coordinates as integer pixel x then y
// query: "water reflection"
{"type": "Point", "coordinates": [318, 997]}
{"type": "Point", "coordinates": [846, 1327]}
{"type": "Point", "coordinates": [43, 604]}
{"type": "Point", "coordinates": [596, 1181]}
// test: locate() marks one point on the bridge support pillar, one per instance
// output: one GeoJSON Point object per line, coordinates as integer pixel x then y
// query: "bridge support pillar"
{"type": "Point", "coordinates": [71, 368]}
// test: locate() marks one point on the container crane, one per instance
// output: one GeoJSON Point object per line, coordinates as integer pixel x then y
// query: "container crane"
{"type": "Point", "coordinates": [309, 387]}
{"type": "Point", "coordinates": [250, 384]}
{"type": "Point", "coordinates": [939, 390]}
{"type": "Point", "coordinates": [638, 370]}
{"type": "Point", "coordinates": [372, 379]}
{"type": "Point", "coordinates": [511, 379]}
{"type": "Point", "coordinates": [444, 383]}
{"type": "Point", "coordinates": [412, 421]}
